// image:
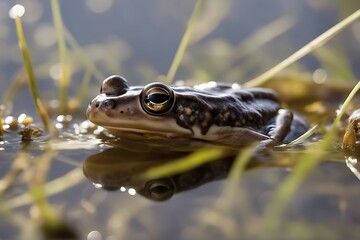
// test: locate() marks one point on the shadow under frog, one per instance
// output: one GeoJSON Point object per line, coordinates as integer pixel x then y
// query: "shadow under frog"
{"type": "Point", "coordinates": [119, 169]}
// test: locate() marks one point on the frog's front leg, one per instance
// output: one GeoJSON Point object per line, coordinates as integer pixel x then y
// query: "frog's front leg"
{"type": "Point", "coordinates": [278, 128]}
{"type": "Point", "coordinates": [349, 140]}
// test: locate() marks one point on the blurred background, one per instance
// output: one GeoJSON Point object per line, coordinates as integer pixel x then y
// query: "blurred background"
{"type": "Point", "coordinates": [234, 41]}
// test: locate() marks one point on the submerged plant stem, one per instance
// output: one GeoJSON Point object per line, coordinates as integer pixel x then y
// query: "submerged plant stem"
{"type": "Point", "coordinates": [184, 41]}
{"type": "Point", "coordinates": [308, 48]}
{"type": "Point", "coordinates": [31, 76]}
{"type": "Point", "coordinates": [64, 81]}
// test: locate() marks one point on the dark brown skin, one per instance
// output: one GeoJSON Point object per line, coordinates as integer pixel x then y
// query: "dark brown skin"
{"type": "Point", "coordinates": [214, 112]}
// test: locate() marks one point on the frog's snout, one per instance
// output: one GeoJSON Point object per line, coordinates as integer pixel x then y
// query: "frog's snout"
{"type": "Point", "coordinates": [99, 104]}
{"type": "Point", "coordinates": [94, 103]}
{"type": "Point", "coordinates": [92, 107]}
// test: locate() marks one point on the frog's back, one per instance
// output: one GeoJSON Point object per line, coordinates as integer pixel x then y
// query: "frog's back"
{"type": "Point", "coordinates": [225, 105]}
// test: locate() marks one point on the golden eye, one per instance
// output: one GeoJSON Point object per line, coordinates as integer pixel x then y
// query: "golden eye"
{"type": "Point", "coordinates": [157, 99]}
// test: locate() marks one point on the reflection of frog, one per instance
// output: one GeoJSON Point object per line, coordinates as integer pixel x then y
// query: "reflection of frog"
{"type": "Point", "coordinates": [120, 169]}
{"type": "Point", "coordinates": [219, 113]}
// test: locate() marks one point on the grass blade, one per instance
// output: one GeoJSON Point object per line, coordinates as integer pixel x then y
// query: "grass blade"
{"type": "Point", "coordinates": [30, 72]}
{"type": "Point", "coordinates": [184, 41]}
{"type": "Point", "coordinates": [308, 48]}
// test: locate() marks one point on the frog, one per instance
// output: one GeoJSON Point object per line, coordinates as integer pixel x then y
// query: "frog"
{"type": "Point", "coordinates": [212, 112]}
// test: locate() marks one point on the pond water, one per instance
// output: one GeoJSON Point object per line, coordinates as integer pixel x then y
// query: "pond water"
{"type": "Point", "coordinates": [94, 182]}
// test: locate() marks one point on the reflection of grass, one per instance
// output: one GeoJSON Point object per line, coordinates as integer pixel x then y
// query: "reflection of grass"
{"type": "Point", "coordinates": [51, 188]}
{"type": "Point", "coordinates": [51, 224]}
{"type": "Point", "coordinates": [191, 161]}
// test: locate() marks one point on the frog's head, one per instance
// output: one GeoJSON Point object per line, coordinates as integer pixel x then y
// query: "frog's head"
{"type": "Point", "coordinates": [123, 107]}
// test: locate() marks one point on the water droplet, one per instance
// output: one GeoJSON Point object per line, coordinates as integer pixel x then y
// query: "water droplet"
{"type": "Point", "coordinates": [17, 11]}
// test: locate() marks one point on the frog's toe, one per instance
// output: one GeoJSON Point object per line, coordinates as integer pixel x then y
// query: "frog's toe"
{"type": "Point", "coordinates": [298, 127]}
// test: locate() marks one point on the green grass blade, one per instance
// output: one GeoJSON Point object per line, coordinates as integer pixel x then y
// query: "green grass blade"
{"type": "Point", "coordinates": [184, 41]}
{"type": "Point", "coordinates": [300, 139]}
{"type": "Point", "coordinates": [31, 76]}
{"type": "Point", "coordinates": [308, 48]}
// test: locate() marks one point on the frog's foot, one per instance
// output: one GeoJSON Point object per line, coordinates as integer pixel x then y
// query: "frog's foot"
{"type": "Point", "coordinates": [278, 130]}
{"type": "Point", "coordinates": [285, 127]}
{"type": "Point", "coordinates": [349, 140]}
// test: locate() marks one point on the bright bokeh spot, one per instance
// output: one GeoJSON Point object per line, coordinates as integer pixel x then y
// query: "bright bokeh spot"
{"type": "Point", "coordinates": [21, 117]}
{"type": "Point", "coordinates": [94, 235]}
{"type": "Point", "coordinates": [17, 11]}
{"type": "Point", "coordinates": [45, 35]}
{"type": "Point", "coordinates": [99, 6]}
{"type": "Point", "coordinates": [55, 71]}
{"type": "Point", "coordinates": [132, 191]}
{"type": "Point", "coordinates": [319, 76]}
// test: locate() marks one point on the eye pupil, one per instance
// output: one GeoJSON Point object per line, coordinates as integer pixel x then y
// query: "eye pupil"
{"type": "Point", "coordinates": [157, 98]}
{"type": "Point", "coordinates": [159, 189]}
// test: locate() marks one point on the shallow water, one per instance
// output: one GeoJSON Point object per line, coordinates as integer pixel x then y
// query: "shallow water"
{"type": "Point", "coordinates": [199, 203]}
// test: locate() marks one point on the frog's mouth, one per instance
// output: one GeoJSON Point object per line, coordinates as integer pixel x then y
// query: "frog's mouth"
{"type": "Point", "coordinates": [141, 123]}
{"type": "Point", "coordinates": [141, 130]}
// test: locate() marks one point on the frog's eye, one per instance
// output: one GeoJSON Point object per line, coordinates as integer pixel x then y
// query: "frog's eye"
{"type": "Point", "coordinates": [157, 99]}
{"type": "Point", "coordinates": [159, 189]}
